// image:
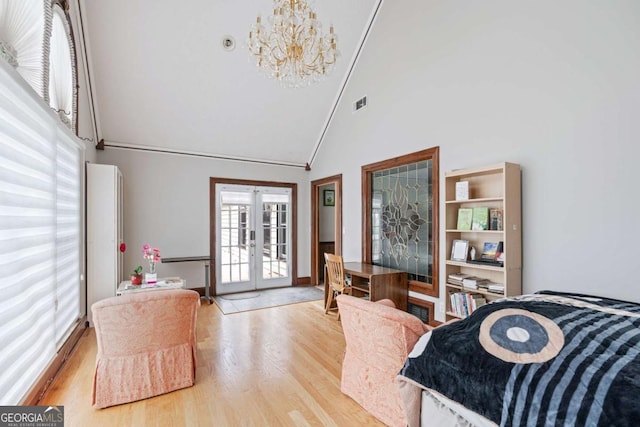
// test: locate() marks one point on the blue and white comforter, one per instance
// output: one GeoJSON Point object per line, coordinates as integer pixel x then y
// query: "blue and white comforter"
{"type": "Point", "coordinates": [538, 360]}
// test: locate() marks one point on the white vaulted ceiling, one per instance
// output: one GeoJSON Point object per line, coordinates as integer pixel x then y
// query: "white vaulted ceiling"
{"type": "Point", "coordinates": [161, 78]}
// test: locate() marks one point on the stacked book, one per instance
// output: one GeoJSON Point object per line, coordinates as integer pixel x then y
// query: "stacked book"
{"type": "Point", "coordinates": [457, 278]}
{"type": "Point", "coordinates": [465, 303]}
{"type": "Point", "coordinates": [469, 281]}
{"type": "Point", "coordinates": [474, 282]}
{"type": "Point", "coordinates": [496, 287]}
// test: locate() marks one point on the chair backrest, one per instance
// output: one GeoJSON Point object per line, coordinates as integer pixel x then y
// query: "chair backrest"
{"type": "Point", "coordinates": [378, 339]}
{"type": "Point", "coordinates": [335, 272]}
{"type": "Point", "coordinates": [362, 320]}
{"type": "Point", "coordinates": [145, 321]}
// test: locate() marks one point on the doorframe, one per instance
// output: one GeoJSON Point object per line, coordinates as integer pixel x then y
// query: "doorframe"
{"type": "Point", "coordinates": [336, 180]}
{"type": "Point", "coordinates": [213, 181]}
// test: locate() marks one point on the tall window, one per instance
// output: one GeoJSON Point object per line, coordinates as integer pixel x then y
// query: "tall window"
{"type": "Point", "coordinates": [400, 209]}
{"type": "Point", "coordinates": [40, 236]}
{"type": "Point", "coordinates": [41, 164]}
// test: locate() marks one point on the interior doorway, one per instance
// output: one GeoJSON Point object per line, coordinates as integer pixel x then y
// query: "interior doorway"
{"type": "Point", "coordinates": [326, 224]}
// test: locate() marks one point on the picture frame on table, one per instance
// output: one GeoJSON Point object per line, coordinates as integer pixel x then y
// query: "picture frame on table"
{"type": "Point", "coordinates": [459, 250]}
{"type": "Point", "coordinates": [329, 198]}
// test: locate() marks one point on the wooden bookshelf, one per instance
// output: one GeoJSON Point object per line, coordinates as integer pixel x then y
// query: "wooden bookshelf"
{"type": "Point", "coordinates": [495, 187]}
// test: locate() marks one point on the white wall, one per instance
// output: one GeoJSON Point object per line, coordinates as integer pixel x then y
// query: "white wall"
{"type": "Point", "coordinates": [85, 120]}
{"type": "Point", "coordinates": [551, 85]}
{"type": "Point", "coordinates": [166, 198]}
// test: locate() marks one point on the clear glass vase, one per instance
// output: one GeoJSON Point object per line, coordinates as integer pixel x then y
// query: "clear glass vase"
{"type": "Point", "coordinates": [151, 277]}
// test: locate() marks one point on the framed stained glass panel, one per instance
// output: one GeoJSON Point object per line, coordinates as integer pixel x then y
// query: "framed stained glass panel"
{"type": "Point", "coordinates": [400, 206]}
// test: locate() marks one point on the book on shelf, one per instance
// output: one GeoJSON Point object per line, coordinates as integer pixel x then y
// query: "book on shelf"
{"type": "Point", "coordinates": [480, 219]}
{"type": "Point", "coordinates": [462, 190]}
{"type": "Point", "coordinates": [495, 219]}
{"type": "Point", "coordinates": [496, 287]}
{"type": "Point", "coordinates": [465, 216]}
{"type": "Point", "coordinates": [477, 301]}
{"type": "Point", "coordinates": [465, 303]}
{"type": "Point", "coordinates": [459, 276]}
{"type": "Point", "coordinates": [500, 252]}
{"type": "Point", "coordinates": [474, 282]}
{"type": "Point", "coordinates": [455, 281]}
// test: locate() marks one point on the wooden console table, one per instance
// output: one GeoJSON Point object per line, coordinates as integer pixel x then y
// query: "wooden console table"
{"type": "Point", "coordinates": [207, 261]}
{"type": "Point", "coordinates": [383, 282]}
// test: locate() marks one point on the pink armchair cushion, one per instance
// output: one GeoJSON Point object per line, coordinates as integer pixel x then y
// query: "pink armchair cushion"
{"type": "Point", "coordinates": [146, 345]}
{"type": "Point", "coordinates": [379, 337]}
{"type": "Point", "coordinates": [386, 302]}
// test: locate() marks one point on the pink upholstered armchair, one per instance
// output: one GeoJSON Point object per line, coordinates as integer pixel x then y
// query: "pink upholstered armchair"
{"type": "Point", "coordinates": [379, 337]}
{"type": "Point", "coordinates": [146, 345]}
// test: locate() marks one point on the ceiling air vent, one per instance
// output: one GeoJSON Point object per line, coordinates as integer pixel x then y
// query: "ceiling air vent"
{"type": "Point", "coordinates": [360, 104]}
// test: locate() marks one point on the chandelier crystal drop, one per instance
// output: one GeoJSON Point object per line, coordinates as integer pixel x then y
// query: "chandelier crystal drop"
{"type": "Point", "coordinates": [291, 47]}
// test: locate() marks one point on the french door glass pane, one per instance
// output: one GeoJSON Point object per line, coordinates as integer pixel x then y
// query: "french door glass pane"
{"type": "Point", "coordinates": [274, 231]}
{"type": "Point", "coordinates": [234, 242]}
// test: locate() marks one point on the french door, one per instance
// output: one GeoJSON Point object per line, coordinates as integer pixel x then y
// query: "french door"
{"type": "Point", "coordinates": [253, 237]}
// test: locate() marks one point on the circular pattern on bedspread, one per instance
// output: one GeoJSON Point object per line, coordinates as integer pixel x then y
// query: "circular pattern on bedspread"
{"type": "Point", "coordinates": [520, 336]}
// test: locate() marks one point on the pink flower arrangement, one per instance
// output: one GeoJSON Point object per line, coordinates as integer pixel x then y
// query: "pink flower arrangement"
{"type": "Point", "coordinates": [152, 255]}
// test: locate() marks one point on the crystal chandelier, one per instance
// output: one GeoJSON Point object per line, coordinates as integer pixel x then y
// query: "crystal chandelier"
{"type": "Point", "coordinates": [291, 47]}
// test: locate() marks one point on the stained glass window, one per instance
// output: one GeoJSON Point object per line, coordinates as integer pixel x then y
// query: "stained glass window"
{"type": "Point", "coordinates": [402, 226]}
{"type": "Point", "coordinates": [401, 217]}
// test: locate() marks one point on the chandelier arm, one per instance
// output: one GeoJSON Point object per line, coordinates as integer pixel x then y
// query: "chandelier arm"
{"type": "Point", "coordinates": [278, 47]}
{"type": "Point", "coordinates": [319, 52]}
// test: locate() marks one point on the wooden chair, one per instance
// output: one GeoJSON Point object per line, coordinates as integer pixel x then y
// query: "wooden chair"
{"type": "Point", "coordinates": [336, 279]}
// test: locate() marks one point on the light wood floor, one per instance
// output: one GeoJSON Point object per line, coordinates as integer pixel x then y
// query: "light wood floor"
{"type": "Point", "coordinates": [272, 367]}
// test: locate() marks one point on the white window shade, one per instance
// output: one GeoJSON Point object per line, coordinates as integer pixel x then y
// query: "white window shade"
{"type": "Point", "coordinates": [40, 229]}
{"type": "Point", "coordinates": [275, 198]}
{"type": "Point", "coordinates": [61, 69]}
{"type": "Point", "coordinates": [68, 232]}
{"type": "Point", "coordinates": [236, 198]}
{"type": "Point", "coordinates": [25, 28]}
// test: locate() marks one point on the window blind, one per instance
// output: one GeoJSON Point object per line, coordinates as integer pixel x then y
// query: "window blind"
{"type": "Point", "coordinates": [40, 229]}
{"type": "Point", "coordinates": [68, 230]}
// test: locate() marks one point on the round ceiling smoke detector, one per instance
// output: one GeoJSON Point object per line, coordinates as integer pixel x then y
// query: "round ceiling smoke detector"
{"type": "Point", "coordinates": [228, 43]}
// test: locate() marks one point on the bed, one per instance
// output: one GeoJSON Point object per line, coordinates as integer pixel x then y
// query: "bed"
{"type": "Point", "coordinates": [543, 359]}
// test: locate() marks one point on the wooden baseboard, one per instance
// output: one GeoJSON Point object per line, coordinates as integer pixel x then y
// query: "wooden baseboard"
{"type": "Point", "coordinates": [303, 281]}
{"type": "Point", "coordinates": [39, 389]}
